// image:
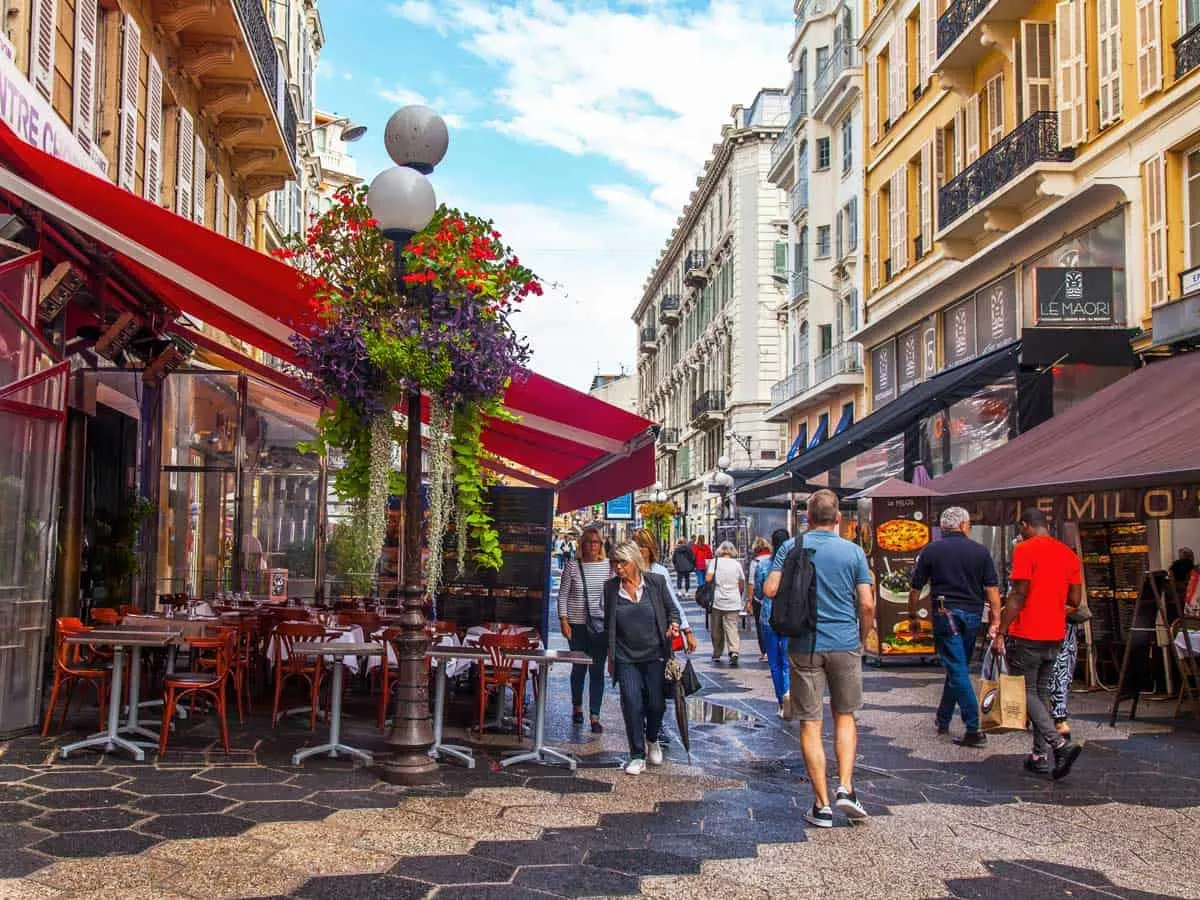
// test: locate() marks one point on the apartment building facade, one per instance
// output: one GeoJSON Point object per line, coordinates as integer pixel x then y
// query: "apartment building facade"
{"type": "Point", "coordinates": [338, 168]}
{"type": "Point", "coordinates": [1026, 207]}
{"type": "Point", "coordinates": [708, 343]}
{"type": "Point", "coordinates": [817, 159]}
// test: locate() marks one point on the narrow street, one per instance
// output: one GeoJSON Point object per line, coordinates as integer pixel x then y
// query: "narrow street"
{"type": "Point", "coordinates": [946, 822]}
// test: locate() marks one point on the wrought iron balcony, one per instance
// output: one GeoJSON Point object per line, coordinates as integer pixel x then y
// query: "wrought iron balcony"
{"type": "Point", "coordinates": [648, 339]}
{"type": "Point", "coordinates": [799, 104]}
{"type": "Point", "coordinates": [1187, 52]}
{"type": "Point", "coordinates": [668, 308]}
{"type": "Point", "coordinates": [798, 198]}
{"type": "Point", "coordinates": [954, 22]}
{"type": "Point", "coordinates": [668, 438]}
{"type": "Point", "coordinates": [708, 404]}
{"type": "Point", "coordinates": [694, 266]}
{"type": "Point", "coordinates": [1034, 140]}
{"type": "Point", "coordinates": [793, 386]}
{"type": "Point", "coordinates": [843, 58]}
{"type": "Point", "coordinates": [807, 10]}
{"type": "Point", "coordinates": [782, 146]}
{"type": "Point", "coordinates": [266, 59]}
{"type": "Point", "coordinates": [799, 285]}
{"type": "Point", "coordinates": [844, 359]}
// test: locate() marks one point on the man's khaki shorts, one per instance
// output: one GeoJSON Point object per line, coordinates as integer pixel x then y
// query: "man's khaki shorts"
{"type": "Point", "coordinates": [841, 670]}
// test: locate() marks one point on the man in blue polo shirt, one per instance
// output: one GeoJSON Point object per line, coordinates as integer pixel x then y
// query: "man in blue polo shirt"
{"type": "Point", "coordinates": [961, 576]}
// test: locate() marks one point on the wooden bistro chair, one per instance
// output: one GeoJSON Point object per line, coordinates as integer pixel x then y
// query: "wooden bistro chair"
{"type": "Point", "coordinates": [304, 667]}
{"type": "Point", "coordinates": [72, 665]}
{"type": "Point", "coordinates": [208, 681]}
{"type": "Point", "coordinates": [106, 616]}
{"type": "Point", "coordinates": [498, 671]}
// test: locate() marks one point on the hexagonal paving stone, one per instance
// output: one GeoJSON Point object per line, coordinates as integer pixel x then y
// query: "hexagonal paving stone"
{"type": "Point", "coordinates": [491, 892]}
{"type": "Point", "coordinates": [461, 869]}
{"type": "Point", "coordinates": [169, 782]}
{"type": "Point", "coordinates": [703, 846]}
{"type": "Point", "coordinates": [270, 791]}
{"type": "Point", "coordinates": [245, 775]}
{"type": "Point", "coordinates": [87, 819]}
{"type": "Point", "coordinates": [10, 792]}
{"type": "Point", "coordinates": [362, 887]}
{"type": "Point", "coordinates": [98, 843]}
{"type": "Point", "coordinates": [17, 812]}
{"type": "Point", "coordinates": [19, 835]}
{"type": "Point", "coordinates": [576, 881]}
{"type": "Point", "coordinates": [643, 862]}
{"type": "Point", "coordinates": [352, 799]}
{"type": "Point", "coordinates": [565, 784]}
{"type": "Point", "coordinates": [76, 779]}
{"type": "Point", "coordinates": [183, 803]}
{"type": "Point", "coordinates": [10, 774]}
{"type": "Point", "coordinates": [530, 853]}
{"type": "Point", "coordinates": [83, 799]}
{"type": "Point", "coordinates": [195, 825]}
{"type": "Point", "coordinates": [337, 780]}
{"type": "Point", "coordinates": [283, 811]}
{"type": "Point", "coordinates": [18, 863]}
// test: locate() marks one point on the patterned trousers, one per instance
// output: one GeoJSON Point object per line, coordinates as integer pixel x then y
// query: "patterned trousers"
{"type": "Point", "coordinates": [1064, 673]}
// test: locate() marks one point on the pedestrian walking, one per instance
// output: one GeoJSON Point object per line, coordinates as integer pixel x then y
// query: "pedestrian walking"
{"type": "Point", "coordinates": [702, 554]}
{"type": "Point", "coordinates": [831, 656]}
{"type": "Point", "coordinates": [1063, 678]}
{"type": "Point", "coordinates": [649, 547]}
{"type": "Point", "coordinates": [1045, 586]}
{"type": "Point", "coordinates": [641, 623]}
{"type": "Point", "coordinates": [729, 584]}
{"type": "Point", "coordinates": [776, 644]}
{"type": "Point", "coordinates": [581, 620]}
{"type": "Point", "coordinates": [961, 578]}
{"type": "Point", "coordinates": [684, 562]}
{"type": "Point", "coordinates": [760, 553]}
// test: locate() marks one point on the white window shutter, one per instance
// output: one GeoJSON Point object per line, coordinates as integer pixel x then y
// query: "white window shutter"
{"type": "Point", "coordinates": [971, 139]}
{"type": "Point", "coordinates": [930, 24]}
{"type": "Point", "coordinates": [995, 109]}
{"type": "Point", "coordinates": [185, 147]}
{"type": "Point", "coordinates": [899, 225]}
{"type": "Point", "coordinates": [219, 205]}
{"type": "Point", "coordinates": [873, 238]}
{"type": "Point", "coordinates": [960, 139]}
{"type": "Point", "coordinates": [1037, 70]}
{"type": "Point", "coordinates": [131, 65]}
{"type": "Point", "coordinates": [901, 39]}
{"type": "Point", "coordinates": [43, 40]}
{"type": "Point", "coordinates": [152, 175]}
{"type": "Point", "coordinates": [199, 181]}
{"type": "Point", "coordinates": [1064, 26]}
{"type": "Point", "coordinates": [928, 192]}
{"type": "Point", "coordinates": [1108, 56]}
{"type": "Point", "coordinates": [1149, 44]}
{"type": "Point", "coordinates": [83, 108]}
{"type": "Point", "coordinates": [923, 57]}
{"type": "Point", "coordinates": [873, 104]}
{"type": "Point", "coordinates": [939, 157]}
{"type": "Point", "coordinates": [1153, 183]}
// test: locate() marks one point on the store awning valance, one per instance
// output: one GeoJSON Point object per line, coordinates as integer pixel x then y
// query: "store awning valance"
{"type": "Point", "coordinates": [925, 399]}
{"type": "Point", "coordinates": [591, 450]}
{"type": "Point", "coordinates": [1142, 431]}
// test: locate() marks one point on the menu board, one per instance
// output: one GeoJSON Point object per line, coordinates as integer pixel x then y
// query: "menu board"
{"type": "Point", "coordinates": [517, 593]}
{"type": "Point", "coordinates": [1098, 580]}
{"type": "Point", "coordinates": [1116, 559]}
{"type": "Point", "coordinates": [899, 529]}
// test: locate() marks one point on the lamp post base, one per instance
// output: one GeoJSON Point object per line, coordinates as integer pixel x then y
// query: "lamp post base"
{"type": "Point", "coordinates": [411, 737]}
{"type": "Point", "coordinates": [411, 768]}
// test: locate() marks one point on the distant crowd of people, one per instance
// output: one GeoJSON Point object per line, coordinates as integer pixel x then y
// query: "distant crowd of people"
{"type": "Point", "coordinates": [812, 600]}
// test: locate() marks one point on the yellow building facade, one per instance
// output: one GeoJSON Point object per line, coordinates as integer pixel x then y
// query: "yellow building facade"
{"type": "Point", "coordinates": [1032, 174]}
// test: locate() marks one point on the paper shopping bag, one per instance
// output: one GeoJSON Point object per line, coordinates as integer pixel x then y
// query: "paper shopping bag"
{"type": "Point", "coordinates": [1001, 696]}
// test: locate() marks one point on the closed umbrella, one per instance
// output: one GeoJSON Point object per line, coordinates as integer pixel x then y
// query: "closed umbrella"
{"type": "Point", "coordinates": [683, 681]}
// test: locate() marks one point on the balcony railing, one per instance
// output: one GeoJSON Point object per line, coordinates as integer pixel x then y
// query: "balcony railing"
{"type": "Point", "coordinates": [647, 336]}
{"type": "Point", "coordinates": [668, 436]}
{"type": "Point", "coordinates": [668, 307]}
{"type": "Point", "coordinates": [955, 21]}
{"type": "Point", "coordinates": [798, 198]}
{"type": "Point", "coordinates": [708, 402]}
{"type": "Point", "coordinates": [799, 104]}
{"type": "Point", "coordinates": [695, 260]}
{"type": "Point", "coordinates": [843, 57]}
{"type": "Point", "coordinates": [807, 10]}
{"type": "Point", "coordinates": [799, 285]}
{"type": "Point", "coordinates": [782, 146]}
{"type": "Point", "coordinates": [270, 70]}
{"type": "Point", "coordinates": [795, 384]}
{"type": "Point", "coordinates": [844, 359]}
{"type": "Point", "coordinates": [1034, 140]}
{"type": "Point", "coordinates": [1187, 52]}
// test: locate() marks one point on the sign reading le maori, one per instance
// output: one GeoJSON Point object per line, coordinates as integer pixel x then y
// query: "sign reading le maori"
{"type": "Point", "coordinates": [1082, 295]}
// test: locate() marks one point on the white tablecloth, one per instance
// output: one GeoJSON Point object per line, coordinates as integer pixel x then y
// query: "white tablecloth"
{"type": "Point", "coordinates": [352, 635]}
{"type": "Point", "coordinates": [1182, 646]}
{"type": "Point", "coordinates": [456, 666]}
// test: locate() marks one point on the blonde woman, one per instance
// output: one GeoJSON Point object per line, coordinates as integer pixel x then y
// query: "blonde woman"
{"type": "Point", "coordinates": [581, 620]}
{"type": "Point", "coordinates": [641, 622]}
{"type": "Point", "coordinates": [649, 547]}
{"type": "Point", "coordinates": [729, 580]}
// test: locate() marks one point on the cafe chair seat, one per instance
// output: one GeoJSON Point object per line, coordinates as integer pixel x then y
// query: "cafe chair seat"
{"type": "Point", "coordinates": [209, 683]}
{"type": "Point", "coordinates": [72, 664]}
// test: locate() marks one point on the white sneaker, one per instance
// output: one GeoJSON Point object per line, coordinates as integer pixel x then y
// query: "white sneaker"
{"type": "Point", "coordinates": [635, 767]}
{"type": "Point", "coordinates": [654, 754]}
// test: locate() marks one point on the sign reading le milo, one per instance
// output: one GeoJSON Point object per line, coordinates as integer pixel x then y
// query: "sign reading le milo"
{"type": "Point", "coordinates": [1077, 295]}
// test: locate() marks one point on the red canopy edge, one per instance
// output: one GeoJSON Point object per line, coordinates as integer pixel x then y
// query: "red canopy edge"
{"type": "Point", "coordinates": [592, 450]}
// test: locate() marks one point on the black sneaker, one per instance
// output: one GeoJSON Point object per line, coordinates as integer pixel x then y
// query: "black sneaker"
{"type": "Point", "coordinates": [733, 663]}
{"type": "Point", "coordinates": [577, 717]}
{"type": "Point", "coordinates": [974, 739]}
{"type": "Point", "coordinates": [821, 816]}
{"type": "Point", "coordinates": [1037, 765]}
{"type": "Point", "coordinates": [1064, 757]}
{"type": "Point", "coordinates": [847, 803]}
{"type": "Point", "coordinates": [941, 729]}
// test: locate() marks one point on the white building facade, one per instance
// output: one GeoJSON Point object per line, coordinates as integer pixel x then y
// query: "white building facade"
{"type": "Point", "coordinates": [338, 168]}
{"type": "Point", "coordinates": [817, 161]}
{"type": "Point", "coordinates": [709, 347]}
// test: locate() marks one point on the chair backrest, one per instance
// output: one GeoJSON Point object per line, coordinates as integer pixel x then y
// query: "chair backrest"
{"type": "Point", "coordinates": [104, 615]}
{"type": "Point", "coordinates": [67, 655]}
{"type": "Point", "coordinates": [222, 647]}
{"type": "Point", "coordinates": [128, 609]}
{"type": "Point", "coordinates": [445, 626]}
{"type": "Point", "coordinates": [288, 634]}
{"type": "Point", "coordinates": [369, 622]}
{"type": "Point", "coordinates": [498, 647]}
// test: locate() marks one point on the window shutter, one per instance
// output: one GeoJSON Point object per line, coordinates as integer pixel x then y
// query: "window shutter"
{"type": "Point", "coordinates": [185, 146]}
{"type": "Point", "coordinates": [131, 64]}
{"type": "Point", "coordinates": [923, 60]}
{"type": "Point", "coordinates": [995, 109]}
{"type": "Point", "coordinates": [1149, 44]}
{"type": "Point", "coordinates": [152, 175]}
{"type": "Point", "coordinates": [873, 103]}
{"type": "Point", "coordinates": [930, 25]}
{"type": "Point", "coordinates": [960, 138]}
{"type": "Point", "coordinates": [971, 138]}
{"type": "Point", "coordinates": [1108, 55]}
{"type": "Point", "coordinates": [901, 39]}
{"type": "Point", "coordinates": [219, 205]}
{"type": "Point", "coordinates": [852, 224]}
{"type": "Point", "coordinates": [896, 68]}
{"type": "Point", "coordinates": [1072, 86]}
{"type": "Point", "coordinates": [1156, 227]}
{"type": "Point", "coordinates": [781, 257]}
{"type": "Point", "coordinates": [928, 190]}
{"type": "Point", "coordinates": [939, 177]}
{"type": "Point", "coordinates": [199, 180]}
{"type": "Point", "coordinates": [83, 111]}
{"type": "Point", "coordinates": [1037, 72]}
{"type": "Point", "coordinates": [898, 224]}
{"type": "Point", "coordinates": [44, 38]}
{"type": "Point", "coordinates": [873, 247]}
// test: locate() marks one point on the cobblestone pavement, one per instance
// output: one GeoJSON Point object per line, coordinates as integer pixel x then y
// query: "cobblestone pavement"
{"type": "Point", "coordinates": [946, 822]}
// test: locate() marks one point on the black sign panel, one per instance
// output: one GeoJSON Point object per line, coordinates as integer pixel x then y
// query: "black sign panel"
{"type": "Point", "coordinates": [910, 357]}
{"type": "Point", "coordinates": [883, 374]}
{"type": "Point", "coordinates": [996, 315]}
{"type": "Point", "coordinates": [958, 332]}
{"type": "Point", "coordinates": [929, 338]}
{"type": "Point", "coordinates": [1075, 295]}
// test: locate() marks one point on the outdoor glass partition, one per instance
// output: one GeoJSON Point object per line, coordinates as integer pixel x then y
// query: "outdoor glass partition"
{"type": "Point", "coordinates": [32, 414]}
{"type": "Point", "coordinates": [239, 504]}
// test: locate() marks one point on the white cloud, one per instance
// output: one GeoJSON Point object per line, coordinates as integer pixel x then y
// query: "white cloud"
{"type": "Point", "coordinates": [419, 12]}
{"type": "Point", "coordinates": [403, 96]}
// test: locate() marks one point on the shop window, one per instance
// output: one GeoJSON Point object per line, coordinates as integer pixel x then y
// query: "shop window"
{"type": "Point", "coordinates": [1193, 206]}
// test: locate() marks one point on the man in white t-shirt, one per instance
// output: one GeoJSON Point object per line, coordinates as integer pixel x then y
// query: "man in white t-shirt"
{"type": "Point", "coordinates": [729, 584]}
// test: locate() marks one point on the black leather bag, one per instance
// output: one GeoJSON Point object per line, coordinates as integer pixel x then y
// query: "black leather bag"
{"type": "Point", "coordinates": [706, 594]}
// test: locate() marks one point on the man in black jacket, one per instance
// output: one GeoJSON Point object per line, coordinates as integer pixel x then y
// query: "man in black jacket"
{"type": "Point", "coordinates": [684, 563]}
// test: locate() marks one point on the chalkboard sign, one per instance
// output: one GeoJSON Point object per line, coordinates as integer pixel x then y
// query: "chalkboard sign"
{"type": "Point", "coordinates": [1154, 604]}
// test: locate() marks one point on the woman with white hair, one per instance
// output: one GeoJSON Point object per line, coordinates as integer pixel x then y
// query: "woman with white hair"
{"type": "Point", "coordinates": [641, 622]}
{"type": "Point", "coordinates": [729, 583]}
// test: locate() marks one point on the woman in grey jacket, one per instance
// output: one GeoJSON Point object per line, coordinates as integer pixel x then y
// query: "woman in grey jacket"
{"type": "Point", "coordinates": [581, 620]}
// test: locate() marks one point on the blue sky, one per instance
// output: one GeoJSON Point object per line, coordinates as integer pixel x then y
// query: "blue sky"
{"type": "Point", "coordinates": [580, 127]}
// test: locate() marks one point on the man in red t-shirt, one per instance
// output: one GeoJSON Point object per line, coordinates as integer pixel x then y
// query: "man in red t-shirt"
{"type": "Point", "coordinates": [703, 554]}
{"type": "Point", "coordinates": [1045, 585]}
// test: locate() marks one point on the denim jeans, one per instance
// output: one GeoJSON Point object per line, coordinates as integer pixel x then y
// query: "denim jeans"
{"type": "Point", "coordinates": [643, 702]}
{"type": "Point", "coordinates": [954, 636]}
{"type": "Point", "coordinates": [777, 659]}
{"type": "Point", "coordinates": [1035, 661]}
{"type": "Point", "coordinates": [595, 646]}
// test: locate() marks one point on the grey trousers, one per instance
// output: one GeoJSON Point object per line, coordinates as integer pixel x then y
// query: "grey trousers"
{"type": "Point", "coordinates": [1035, 661]}
{"type": "Point", "coordinates": [724, 630]}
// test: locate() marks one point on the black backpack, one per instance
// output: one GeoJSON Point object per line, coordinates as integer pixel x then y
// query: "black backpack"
{"type": "Point", "coordinates": [794, 610]}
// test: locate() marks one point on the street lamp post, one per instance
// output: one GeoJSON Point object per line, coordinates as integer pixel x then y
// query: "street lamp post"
{"type": "Point", "coordinates": [403, 202]}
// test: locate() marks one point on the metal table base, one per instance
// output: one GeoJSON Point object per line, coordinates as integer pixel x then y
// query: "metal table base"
{"type": "Point", "coordinates": [335, 745]}
{"type": "Point", "coordinates": [540, 752]}
{"type": "Point", "coordinates": [111, 739]}
{"type": "Point", "coordinates": [456, 751]}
